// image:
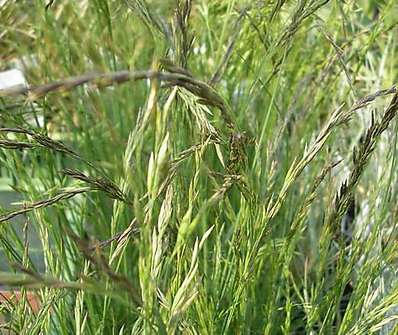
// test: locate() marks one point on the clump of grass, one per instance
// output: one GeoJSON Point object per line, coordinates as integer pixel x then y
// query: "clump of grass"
{"type": "Point", "coordinates": [196, 163]}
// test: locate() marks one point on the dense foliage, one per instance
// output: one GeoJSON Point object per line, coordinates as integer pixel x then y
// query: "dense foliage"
{"type": "Point", "coordinates": [201, 167]}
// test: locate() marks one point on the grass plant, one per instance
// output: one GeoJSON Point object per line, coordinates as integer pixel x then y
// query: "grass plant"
{"type": "Point", "coordinates": [201, 167]}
